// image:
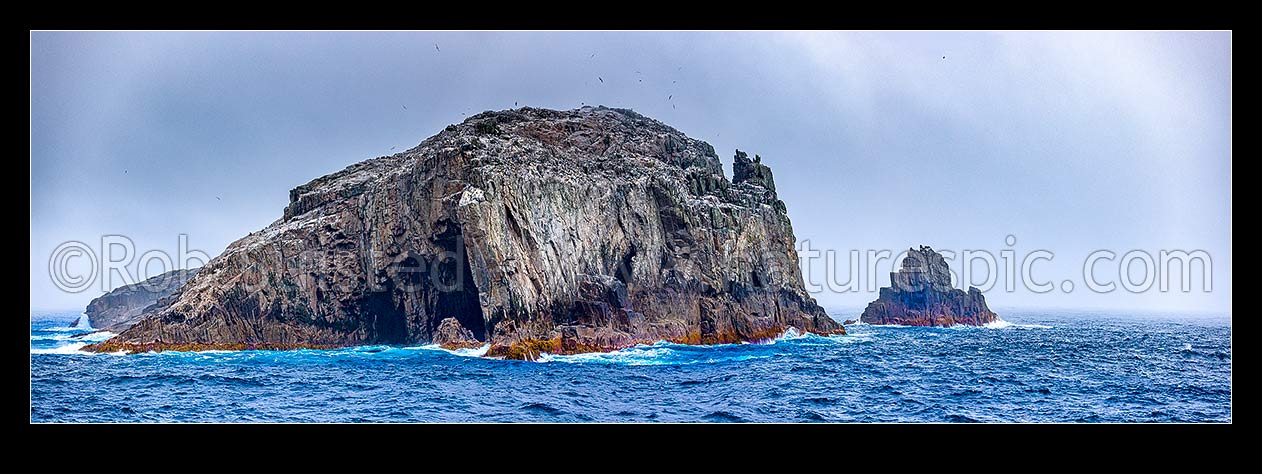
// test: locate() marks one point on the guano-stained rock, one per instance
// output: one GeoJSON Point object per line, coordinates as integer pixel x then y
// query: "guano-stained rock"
{"type": "Point", "coordinates": [533, 230]}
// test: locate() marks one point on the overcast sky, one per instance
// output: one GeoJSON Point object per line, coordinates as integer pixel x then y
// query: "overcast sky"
{"type": "Point", "coordinates": [1070, 142]}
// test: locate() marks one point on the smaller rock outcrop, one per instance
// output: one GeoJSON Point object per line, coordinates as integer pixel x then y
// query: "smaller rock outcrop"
{"type": "Point", "coordinates": [744, 169]}
{"type": "Point", "coordinates": [920, 294]}
{"type": "Point", "coordinates": [121, 308]}
{"type": "Point", "coordinates": [451, 335]}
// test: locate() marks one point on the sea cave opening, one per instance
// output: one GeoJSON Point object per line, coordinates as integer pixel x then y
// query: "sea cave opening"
{"type": "Point", "coordinates": [455, 285]}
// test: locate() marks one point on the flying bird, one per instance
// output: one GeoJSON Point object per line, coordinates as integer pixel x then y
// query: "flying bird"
{"type": "Point", "coordinates": [602, 80]}
{"type": "Point", "coordinates": [592, 56]}
{"type": "Point", "coordinates": [217, 198]}
{"type": "Point", "coordinates": [669, 96]}
{"type": "Point", "coordinates": [944, 57]}
{"type": "Point", "coordinates": [436, 48]}
{"type": "Point", "coordinates": [514, 103]}
{"type": "Point", "coordinates": [405, 107]}
{"type": "Point", "coordinates": [391, 148]}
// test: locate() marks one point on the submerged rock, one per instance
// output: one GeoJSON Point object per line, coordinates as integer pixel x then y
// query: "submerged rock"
{"type": "Point", "coordinates": [921, 294]}
{"type": "Point", "coordinates": [533, 230]}
{"type": "Point", "coordinates": [121, 308]}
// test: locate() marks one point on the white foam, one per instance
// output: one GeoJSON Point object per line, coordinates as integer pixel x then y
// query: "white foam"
{"type": "Point", "coordinates": [637, 355]}
{"type": "Point", "coordinates": [790, 334]}
{"type": "Point", "coordinates": [84, 322]}
{"type": "Point", "coordinates": [1001, 324]}
{"type": "Point", "coordinates": [68, 349]}
{"type": "Point", "coordinates": [472, 351]}
{"type": "Point", "coordinates": [61, 329]}
{"type": "Point", "coordinates": [469, 352]}
{"type": "Point", "coordinates": [97, 336]}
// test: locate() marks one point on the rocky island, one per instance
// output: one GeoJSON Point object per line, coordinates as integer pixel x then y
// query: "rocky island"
{"type": "Point", "coordinates": [528, 230]}
{"type": "Point", "coordinates": [920, 294]}
{"type": "Point", "coordinates": [120, 308]}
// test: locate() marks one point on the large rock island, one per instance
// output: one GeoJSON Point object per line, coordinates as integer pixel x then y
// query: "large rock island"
{"type": "Point", "coordinates": [920, 294]}
{"type": "Point", "coordinates": [531, 230]}
{"type": "Point", "coordinates": [120, 308]}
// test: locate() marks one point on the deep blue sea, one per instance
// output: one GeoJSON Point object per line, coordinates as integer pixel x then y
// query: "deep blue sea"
{"type": "Point", "coordinates": [1048, 366]}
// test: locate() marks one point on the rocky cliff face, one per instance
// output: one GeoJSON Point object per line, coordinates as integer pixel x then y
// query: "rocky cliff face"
{"type": "Point", "coordinates": [531, 230]}
{"type": "Point", "coordinates": [121, 308]}
{"type": "Point", "coordinates": [921, 295]}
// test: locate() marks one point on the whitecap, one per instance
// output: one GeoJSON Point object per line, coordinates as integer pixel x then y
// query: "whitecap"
{"type": "Point", "coordinates": [790, 333]}
{"type": "Point", "coordinates": [997, 324]}
{"type": "Point", "coordinates": [469, 352]}
{"type": "Point", "coordinates": [637, 355]}
{"type": "Point", "coordinates": [95, 336]}
{"type": "Point", "coordinates": [1001, 324]}
{"type": "Point", "coordinates": [84, 322]}
{"type": "Point", "coordinates": [68, 349]}
{"type": "Point", "coordinates": [61, 329]}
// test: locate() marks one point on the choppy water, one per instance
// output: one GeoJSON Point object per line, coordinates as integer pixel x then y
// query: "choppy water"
{"type": "Point", "coordinates": [1040, 367]}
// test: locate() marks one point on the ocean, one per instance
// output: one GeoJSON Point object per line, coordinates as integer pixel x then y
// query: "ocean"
{"type": "Point", "coordinates": [1035, 366]}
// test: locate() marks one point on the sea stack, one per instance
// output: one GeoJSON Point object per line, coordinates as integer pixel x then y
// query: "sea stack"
{"type": "Point", "coordinates": [122, 307]}
{"type": "Point", "coordinates": [530, 230]}
{"type": "Point", "coordinates": [921, 295]}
